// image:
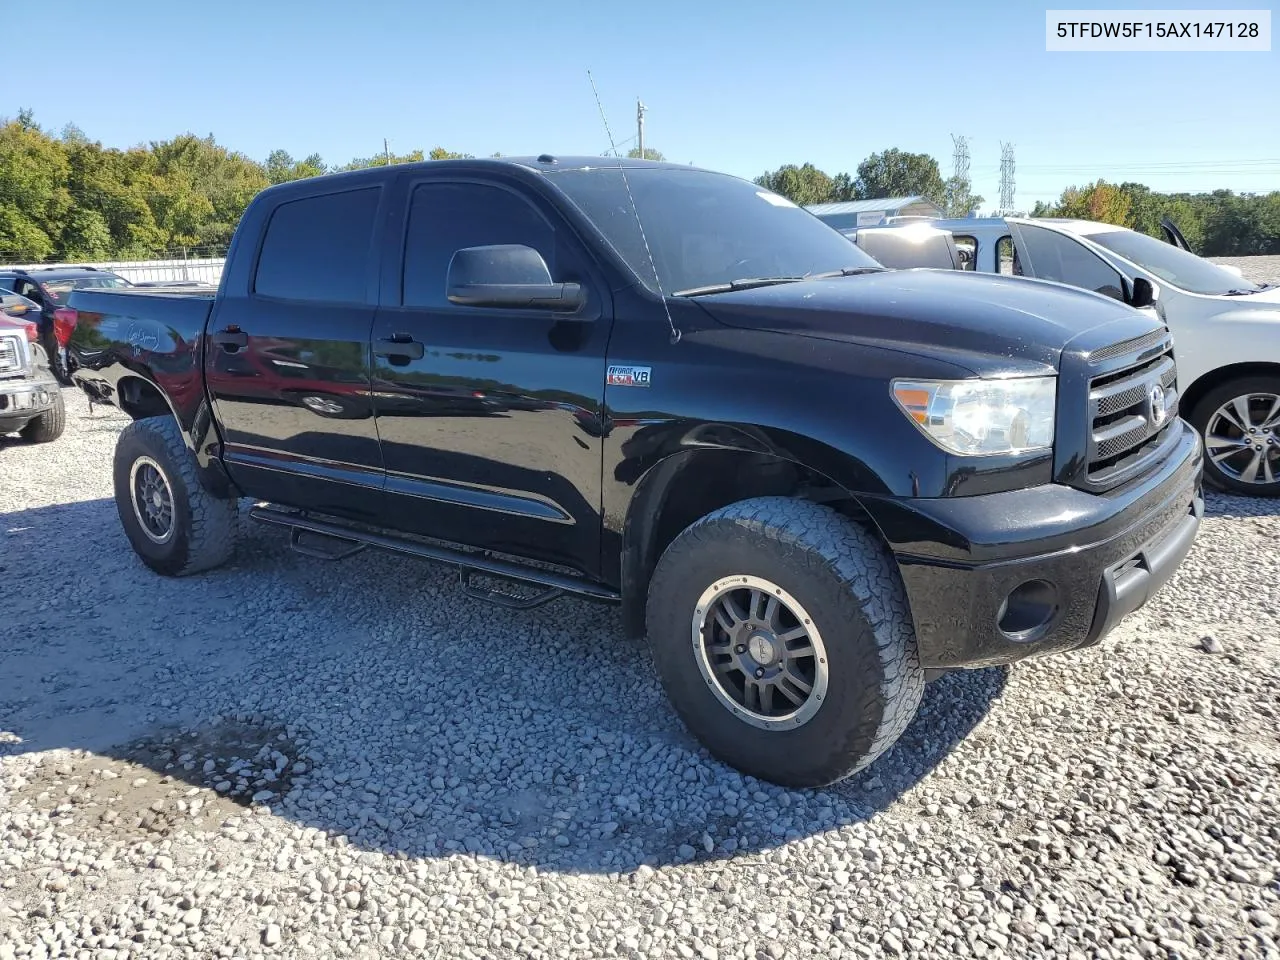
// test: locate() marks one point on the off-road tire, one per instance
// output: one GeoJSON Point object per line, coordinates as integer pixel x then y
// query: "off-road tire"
{"type": "Point", "coordinates": [204, 526]}
{"type": "Point", "coordinates": [846, 581]}
{"type": "Point", "coordinates": [49, 425]}
{"type": "Point", "coordinates": [1204, 411]}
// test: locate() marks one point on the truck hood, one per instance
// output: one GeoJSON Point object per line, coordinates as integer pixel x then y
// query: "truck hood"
{"type": "Point", "coordinates": [991, 325]}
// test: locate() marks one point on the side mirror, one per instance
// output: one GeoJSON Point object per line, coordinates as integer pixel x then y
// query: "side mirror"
{"type": "Point", "coordinates": [1144, 293]}
{"type": "Point", "coordinates": [508, 275]}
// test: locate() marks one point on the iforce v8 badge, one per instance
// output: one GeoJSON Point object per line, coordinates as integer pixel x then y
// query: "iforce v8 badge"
{"type": "Point", "coordinates": [628, 376]}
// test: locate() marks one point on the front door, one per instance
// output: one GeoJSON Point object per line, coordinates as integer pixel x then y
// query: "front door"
{"type": "Point", "coordinates": [287, 359]}
{"type": "Point", "coordinates": [486, 414]}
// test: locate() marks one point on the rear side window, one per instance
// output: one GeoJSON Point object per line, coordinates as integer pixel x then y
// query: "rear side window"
{"type": "Point", "coordinates": [319, 248]}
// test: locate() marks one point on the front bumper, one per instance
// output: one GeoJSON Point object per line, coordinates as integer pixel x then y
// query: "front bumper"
{"type": "Point", "coordinates": [24, 399]}
{"type": "Point", "coordinates": [996, 578]}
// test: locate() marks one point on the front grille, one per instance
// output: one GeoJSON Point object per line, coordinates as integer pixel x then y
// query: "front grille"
{"type": "Point", "coordinates": [1131, 409]}
{"type": "Point", "coordinates": [10, 355]}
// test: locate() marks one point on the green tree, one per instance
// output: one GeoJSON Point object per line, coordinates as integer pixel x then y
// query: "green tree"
{"type": "Point", "coordinates": [649, 154]}
{"type": "Point", "coordinates": [281, 167]}
{"type": "Point", "coordinates": [801, 185]}
{"type": "Point", "coordinates": [379, 160]}
{"type": "Point", "coordinates": [897, 173]}
{"type": "Point", "coordinates": [440, 153]}
{"type": "Point", "coordinates": [958, 198]}
{"type": "Point", "coordinates": [33, 190]}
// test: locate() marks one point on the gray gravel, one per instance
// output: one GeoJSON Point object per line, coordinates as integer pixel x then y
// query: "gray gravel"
{"type": "Point", "coordinates": [286, 758]}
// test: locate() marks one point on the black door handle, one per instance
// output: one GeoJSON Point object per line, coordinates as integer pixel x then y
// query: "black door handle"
{"type": "Point", "coordinates": [399, 345]}
{"type": "Point", "coordinates": [231, 338]}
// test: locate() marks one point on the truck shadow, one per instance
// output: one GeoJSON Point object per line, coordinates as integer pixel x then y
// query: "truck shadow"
{"type": "Point", "coordinates": [375, 702]}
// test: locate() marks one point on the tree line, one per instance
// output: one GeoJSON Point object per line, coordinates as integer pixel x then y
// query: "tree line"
{"type": "Point", "coordinates": [64, 197]}
{"type": "Point", "coordinates": [1216, 224]}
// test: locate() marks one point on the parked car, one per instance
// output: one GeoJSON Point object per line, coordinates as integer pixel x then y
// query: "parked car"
{"type": "Point", "coordinates": [49, 287]}
{"type": "Point", "coordinates": [1226, 329]}
{"type": "Point", "coordinates": [31, 402]}
{"type": "Point", "coordinates": [807, 478]}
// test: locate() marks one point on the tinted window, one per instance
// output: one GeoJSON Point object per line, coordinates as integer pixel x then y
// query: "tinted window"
{"type": "Point", "coordinates": [704, 228]}
{"type": "Point", "coordinates": [1052, 256]}
{"type": "Point", "coordinates": [319, 248]}
{"type": "Point", "coordinates": [446, 217]}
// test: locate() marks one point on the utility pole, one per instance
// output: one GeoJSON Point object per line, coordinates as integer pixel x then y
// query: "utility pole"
{"type": "Point", "coordinates": [386, 150]}
{"type": "Point", "coordinates": [640, 109]}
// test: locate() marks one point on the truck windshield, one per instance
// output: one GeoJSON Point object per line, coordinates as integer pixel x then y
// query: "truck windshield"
{"type": "Point", "coordinates": [1172, 264]}
{"type": "Point", "coordinates": [705, 228]}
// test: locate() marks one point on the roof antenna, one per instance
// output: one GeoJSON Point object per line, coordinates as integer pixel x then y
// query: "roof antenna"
{"type": "Point", "coordinates": [675, 331]}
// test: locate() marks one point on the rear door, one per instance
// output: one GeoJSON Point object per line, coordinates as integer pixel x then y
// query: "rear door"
{"type": "Point", "coordinates": [287, 357]}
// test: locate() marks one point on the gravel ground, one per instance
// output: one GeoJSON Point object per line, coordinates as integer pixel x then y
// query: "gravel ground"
{"type": "Point", "coordinates": [287, 758]}
{"type": "Point", "coordinates": [1259, 269]}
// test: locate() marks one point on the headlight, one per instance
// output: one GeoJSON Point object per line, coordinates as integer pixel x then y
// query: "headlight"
{"type": "Point", "coordinates": [982, 417]}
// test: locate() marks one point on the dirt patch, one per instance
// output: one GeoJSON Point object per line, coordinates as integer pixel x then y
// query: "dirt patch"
{"type": "Point", "coordinates": [179, 781]}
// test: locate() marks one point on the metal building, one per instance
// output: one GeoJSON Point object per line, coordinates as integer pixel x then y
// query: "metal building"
{"type": "Point", "coordinates": [868, 213]}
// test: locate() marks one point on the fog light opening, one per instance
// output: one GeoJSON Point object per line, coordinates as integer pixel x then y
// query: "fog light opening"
{"type": "Point", "coordinates": [1028, 611]}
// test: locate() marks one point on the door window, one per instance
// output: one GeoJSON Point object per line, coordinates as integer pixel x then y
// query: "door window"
{"type": "Point", "coordinates": [967, 248]}
{"type": "Point", "coordinates": [1049, 255]}
{"type": "Point", "coordinates": [1007, 260]}
{"type": "Point", "coordinates": [319, 248]}
{"type": "Point", "coordinates": [446, 217]}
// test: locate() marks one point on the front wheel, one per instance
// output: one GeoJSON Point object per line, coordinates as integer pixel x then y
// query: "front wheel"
{"type": "Point", "coordinates": [783, 638]}
{"type": "Point", "coordinates": [49, 425]}
{"type": "Point", "coordinates": [174, 524]}
{"type": "Point", "coordinates": [1240, 423]}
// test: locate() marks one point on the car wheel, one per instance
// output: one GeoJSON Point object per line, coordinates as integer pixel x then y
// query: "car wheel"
{"type": "Point", "coordinates": [57, 359]}
{"type": "Point", "coordinates": [1240, 423]}
{"type": "Point", "coordinates": [174, 524]}
{"type": "Point", "coordinates": [49, 425]}
{"type": "Point", "coordinates": [782, 635]}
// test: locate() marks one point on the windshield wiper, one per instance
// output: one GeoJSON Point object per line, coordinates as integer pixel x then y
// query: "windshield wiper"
{"type": "Point", "coordinates": [843, 272]}
{"type": "Point", "coordinates": [1244, 293]}
{"type": "Point", "coordinates": [744, 284]}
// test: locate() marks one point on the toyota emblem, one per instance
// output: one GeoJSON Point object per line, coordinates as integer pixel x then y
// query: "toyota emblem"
{"type": "Point", "coordinates": [1156, 397]}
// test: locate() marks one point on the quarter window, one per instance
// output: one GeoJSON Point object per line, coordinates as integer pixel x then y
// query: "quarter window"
{"type": "Point", "coordinates": [967, 247]}
{"type": "Point", "coordinates": [319, 248]}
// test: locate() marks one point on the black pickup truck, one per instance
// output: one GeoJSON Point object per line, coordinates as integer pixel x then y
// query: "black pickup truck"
{"type": "Point", "coordinates": [808, 479]}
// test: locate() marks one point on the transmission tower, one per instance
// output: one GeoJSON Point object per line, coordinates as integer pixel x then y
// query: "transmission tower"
{"type": "Point", "coordinates": [960, 174]}
{"type": "Point", "coordinates": [960, 159]}
{"type": "Point", "coordinates": [1006, 179]}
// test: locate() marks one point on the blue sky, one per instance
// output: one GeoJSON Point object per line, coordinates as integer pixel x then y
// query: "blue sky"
{"type": "Point", "coordinates": [741, 87]}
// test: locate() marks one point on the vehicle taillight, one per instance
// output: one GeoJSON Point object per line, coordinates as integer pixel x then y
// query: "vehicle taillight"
{"type": "Point", "coordinates": [33, 332]}
{"type": "Point", "coordinates": [64, 324]}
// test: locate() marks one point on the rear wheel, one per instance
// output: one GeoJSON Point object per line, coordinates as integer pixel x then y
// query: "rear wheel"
{"type": "Point", "coordinates": [782, 635]}
{"type": "Point", "coordinates": [57, 359]}
{"type": "Point", "coordinates": [1240, 423]}
{"type": "Point", "coordinates": [174, 524]}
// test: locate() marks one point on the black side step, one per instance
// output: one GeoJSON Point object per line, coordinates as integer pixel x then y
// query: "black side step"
{"type": "Point", "coordinates": [554, 582]}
